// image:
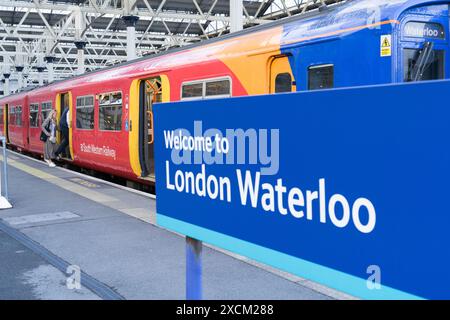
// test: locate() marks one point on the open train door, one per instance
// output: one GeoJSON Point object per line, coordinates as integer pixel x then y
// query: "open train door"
{"type": "Point", "coordinates": [281, 77]}
{"type": "Point", "coordinates": [63, 101]}
{"type": "Point", "coordinates": [150, 91]}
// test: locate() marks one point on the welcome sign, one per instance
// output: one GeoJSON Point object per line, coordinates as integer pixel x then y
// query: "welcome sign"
{"type": "Point", "coordinates": [332, 186]}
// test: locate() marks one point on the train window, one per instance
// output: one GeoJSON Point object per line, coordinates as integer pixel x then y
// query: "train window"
{"type": "Point", "coordinates": [45, 107]}
{"type": "Point", "coordinates": [283, 83]}
{"type": "Point", "coordinates": [321, 77]}
{"type": "Point", "coordinates": [110, 111]}
{"type": "Point", "coordinates": [18, 116]}
{"type": "Point", "coordinates": [11, 119]}
{"type": "Point", "coordinates": [34, 115]}
{"type": "Point", "coordinates": [206, 88]}
{"type": "Point", "coordinates": [194, 90]}
{"type": "Point", "coordinates": [85, 113]}
{"type": "Point", "coordinates": [218, 88]}
{"type": "Point", "coordinates": [420, 66]}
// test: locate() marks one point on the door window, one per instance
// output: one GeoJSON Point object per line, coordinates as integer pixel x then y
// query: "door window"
{"type": "Point", "coordinates": [283, 83]}
{"type": "Point", "coordinates": [281, 77]}
{"type": "Point", "coordinates": [423, 64]}
{"type": "Point", "coordinates": [110, 111]}
{"type": "Point", "coordinates": [34, 115]}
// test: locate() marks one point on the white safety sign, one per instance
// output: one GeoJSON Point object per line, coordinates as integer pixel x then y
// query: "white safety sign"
{"type": "Point", "coordinates": [386, 45]}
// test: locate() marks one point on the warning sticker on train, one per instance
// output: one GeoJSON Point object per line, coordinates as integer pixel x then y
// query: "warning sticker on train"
{"type": "Point", "coordinates": [386, 45]}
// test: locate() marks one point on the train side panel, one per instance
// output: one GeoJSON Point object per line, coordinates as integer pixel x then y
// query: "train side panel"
{"type": "Point", "coordinates": [100, 127]}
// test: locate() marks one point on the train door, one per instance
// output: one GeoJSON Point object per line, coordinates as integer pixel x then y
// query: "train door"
{"type": "Point", "coordinates": [34, 129]}
{"type": "Point", "coordinates": [151, 91]}
{"type": "Point", "coordinates": [281, 77]}
{"type": "Point", "coordinates": [423, 49]}
{"type": "Point", "coordinates": [63, 101]}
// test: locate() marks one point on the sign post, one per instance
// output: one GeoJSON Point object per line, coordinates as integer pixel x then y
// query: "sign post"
{"type": "Point", "coordinates": [4, 202]}
{"type": "Point", "coordinates": [193, 269]}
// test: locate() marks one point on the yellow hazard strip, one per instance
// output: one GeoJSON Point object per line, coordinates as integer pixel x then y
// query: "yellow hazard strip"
{"type": "Point", "coordinates": [143, 214]}
{"type": "Point", "coordinates": [64, 184]}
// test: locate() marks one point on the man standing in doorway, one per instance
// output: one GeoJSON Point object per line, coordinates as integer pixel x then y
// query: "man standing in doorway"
{"type": "Point", "coordinates": [64, 127]}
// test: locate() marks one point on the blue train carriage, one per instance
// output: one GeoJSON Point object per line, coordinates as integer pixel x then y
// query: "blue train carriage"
{"type": "Point", "coordinates": [369, 42]}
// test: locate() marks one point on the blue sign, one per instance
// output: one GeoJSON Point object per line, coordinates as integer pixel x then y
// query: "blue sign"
{"type": "Point", "coordinates": [349, 188]}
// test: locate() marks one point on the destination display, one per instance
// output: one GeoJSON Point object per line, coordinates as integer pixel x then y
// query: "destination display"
{"type": "Point", "coordinates": [424, 30]}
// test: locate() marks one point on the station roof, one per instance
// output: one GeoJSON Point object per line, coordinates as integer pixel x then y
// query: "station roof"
{"type": "Point", "coordinates": [32, 30]}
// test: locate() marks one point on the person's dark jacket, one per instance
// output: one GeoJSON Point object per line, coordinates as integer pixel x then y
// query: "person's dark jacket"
{"type": "Point", "coordinates": [63, 125]}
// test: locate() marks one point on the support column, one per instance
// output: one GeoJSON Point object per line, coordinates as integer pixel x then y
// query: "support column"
{"type": "Point", "coordinates": [19, 70]}
{"type": "Point", "coordinates": [130, 22]}
{"type": "Point", "coordinates": [236, 15]}
{"type": "Point", "coordinates": [25, 79]}
{"type": "Point", "coordinates": [6, 90]}
{"type": "Point", "coordinates": [80, 52]}
{"type": "Point", "coordinates": [79, 42]}
{"type": "Point", "coordinates": [40, 71]}
{"type": "Point", "coordinates": [50, 60]}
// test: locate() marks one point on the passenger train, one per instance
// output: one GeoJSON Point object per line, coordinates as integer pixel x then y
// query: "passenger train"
{"type": "Point", "coordinates": [355, 43]}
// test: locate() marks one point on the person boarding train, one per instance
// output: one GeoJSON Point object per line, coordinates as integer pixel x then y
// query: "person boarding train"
{"type": "Point", "coordinates": [48, 136]}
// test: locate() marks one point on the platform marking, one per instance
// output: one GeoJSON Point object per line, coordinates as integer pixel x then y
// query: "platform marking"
{"type": "Point", "coordinates": [84, 183]}
{"type": "Point", "coordinates": [143, 214]}
{"type": "Point", "coordinates": [64, 184]}
{"type": "Point", "coordinates": [37, 218]}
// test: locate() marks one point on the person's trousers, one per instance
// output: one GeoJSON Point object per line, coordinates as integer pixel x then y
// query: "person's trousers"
{"type": "Point", "coordinates": [62, 147]}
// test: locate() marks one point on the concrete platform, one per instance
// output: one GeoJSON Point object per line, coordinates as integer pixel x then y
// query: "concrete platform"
{"type": "Point", "coordinates": [108, 231]}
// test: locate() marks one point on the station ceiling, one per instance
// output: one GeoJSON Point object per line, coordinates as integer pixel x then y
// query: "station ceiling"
{"type": "Point", "coordinates": [31, 30]}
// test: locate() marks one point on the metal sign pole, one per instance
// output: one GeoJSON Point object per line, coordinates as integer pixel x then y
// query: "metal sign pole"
{"type": "Point", "coordinates": [193, 269]}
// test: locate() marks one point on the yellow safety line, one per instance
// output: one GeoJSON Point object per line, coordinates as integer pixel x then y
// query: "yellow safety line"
{"type": "Point", "coordinates": [143, 214]}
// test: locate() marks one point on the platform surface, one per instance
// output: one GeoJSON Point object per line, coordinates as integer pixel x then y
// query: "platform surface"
{"type": "Point", "coordinates": [109, 233]}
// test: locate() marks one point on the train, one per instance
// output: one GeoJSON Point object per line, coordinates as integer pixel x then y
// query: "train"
{"type": "Point", "coordinates": [354, 43]}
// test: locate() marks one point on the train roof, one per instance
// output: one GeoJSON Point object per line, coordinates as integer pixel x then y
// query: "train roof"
{"type": "Point", "coordinates": [298, 28]}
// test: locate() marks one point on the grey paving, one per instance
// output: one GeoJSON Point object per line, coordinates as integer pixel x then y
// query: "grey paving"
{"type": "Point", "coordinates": [26, 276]}
{"type": "Point", "coordinates": [137, 259]}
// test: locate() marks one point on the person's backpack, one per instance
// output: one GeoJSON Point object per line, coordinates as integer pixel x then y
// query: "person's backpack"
{"type": "Point", "coordinates": [43, 136]}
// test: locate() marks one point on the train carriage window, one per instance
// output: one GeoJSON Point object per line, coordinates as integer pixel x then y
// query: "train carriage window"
{"type": "Point", "coordinates": [11, 120]}
{"type": "Point", "coordinates": [18, 114]}
{"type": "Point", "coordinates": [85, 113]}
{"type": "Point", "coordinates": [194, 90]}
{"type": "Point", "coordinates": [283, 83]}
{"type": "Point", "coordinates": [110, 111]}
{"type": "Point", "coordinates": [321, 77]}
{"type": "Point", "coordinates": [218, 88]}
{"type": "Point", "coordinates": [34, 115]}
{"type": "Point", "coordinates": [46, 107]}
{"type": "Point", "coordinates": [211, 88]}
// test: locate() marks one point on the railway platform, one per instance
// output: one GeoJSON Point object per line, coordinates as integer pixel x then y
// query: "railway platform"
{"type": "Point", "coordinates": [66, 229]}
